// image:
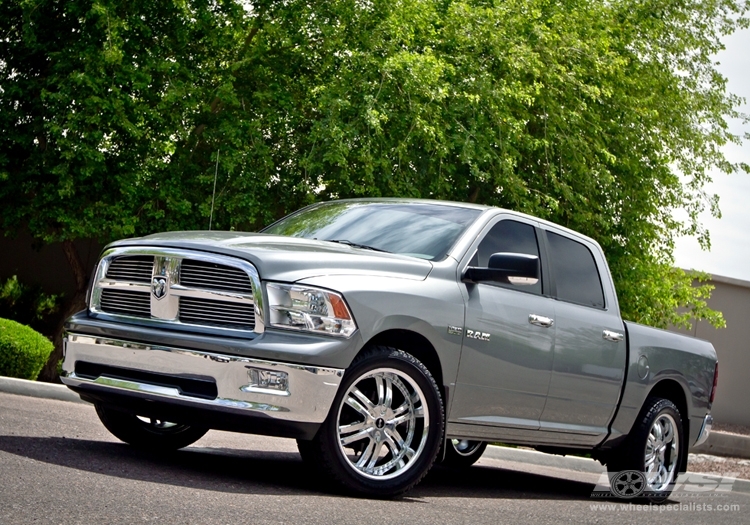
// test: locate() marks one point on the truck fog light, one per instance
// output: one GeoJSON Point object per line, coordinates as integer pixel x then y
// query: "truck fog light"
{"type": "Point", "coordinates": [267, 382]}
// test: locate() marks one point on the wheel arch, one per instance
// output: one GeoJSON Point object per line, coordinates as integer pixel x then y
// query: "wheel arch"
{"type": "Point", "coordinates": [674, 391]}
{"type": "Point", "coordinates": [415, 344]}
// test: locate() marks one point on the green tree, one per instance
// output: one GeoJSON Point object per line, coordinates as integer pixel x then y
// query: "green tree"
{"type": "Point", "coordinates": [603, 117]}
{"type": "Point", "coordinates": [95, 98]}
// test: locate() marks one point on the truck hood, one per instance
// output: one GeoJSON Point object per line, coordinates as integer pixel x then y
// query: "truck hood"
{"type": "Point", "coordinates": [289, 259]}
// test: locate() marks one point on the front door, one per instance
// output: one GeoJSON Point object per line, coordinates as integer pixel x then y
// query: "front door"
{"type": "Point", "coordinates": [506, 361]}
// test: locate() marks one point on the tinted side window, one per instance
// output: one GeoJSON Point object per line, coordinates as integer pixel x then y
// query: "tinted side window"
{"type": "Point", "coordinates": [575, 272]}
{"type": "Point", "coordinates": [510, 237]}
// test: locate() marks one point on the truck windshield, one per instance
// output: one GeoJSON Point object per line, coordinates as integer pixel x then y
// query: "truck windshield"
{"type": "Point", "coordinates": [424, 230]}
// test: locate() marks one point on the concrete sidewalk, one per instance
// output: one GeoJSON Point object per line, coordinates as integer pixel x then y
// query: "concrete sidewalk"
{"type": "Point", "coordinates": [726, 443]}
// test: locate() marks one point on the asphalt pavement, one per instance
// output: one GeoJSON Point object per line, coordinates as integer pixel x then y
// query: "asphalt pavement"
{"type": "Point", "coordinates": [59, 465]}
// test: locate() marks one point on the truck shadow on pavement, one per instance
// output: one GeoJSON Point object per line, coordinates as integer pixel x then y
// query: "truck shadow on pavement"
{"type": "Point", "coordinates": [273, 473]}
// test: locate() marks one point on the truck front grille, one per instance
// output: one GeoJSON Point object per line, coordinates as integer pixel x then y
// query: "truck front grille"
{"type": "Point", "coordinates": [177, 288]}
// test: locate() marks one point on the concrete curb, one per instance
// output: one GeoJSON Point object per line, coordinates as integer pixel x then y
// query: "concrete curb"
{"type": "Point", "coordinates": [725, 444]}
{"type": "Point", "coordinates": [23, 387]}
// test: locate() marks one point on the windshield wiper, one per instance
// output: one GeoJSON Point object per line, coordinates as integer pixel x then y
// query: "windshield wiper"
{"type": "Point", "coordinates": [355, 245]}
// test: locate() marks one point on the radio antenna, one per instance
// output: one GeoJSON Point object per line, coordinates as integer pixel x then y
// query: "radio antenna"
{"type": "Point", "coordinates": [213, 197]}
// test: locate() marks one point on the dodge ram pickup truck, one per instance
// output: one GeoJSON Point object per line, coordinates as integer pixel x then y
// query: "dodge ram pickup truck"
{"type": "Point", "coordinates": [385, 335]}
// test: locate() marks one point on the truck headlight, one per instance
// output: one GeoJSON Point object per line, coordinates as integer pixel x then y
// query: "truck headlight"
{"type": "Point", "coordinates": [309, 309]}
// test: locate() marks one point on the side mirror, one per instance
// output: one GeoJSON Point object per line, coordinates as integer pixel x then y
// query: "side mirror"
{"type": "Point", "coordinates": [508, 268]}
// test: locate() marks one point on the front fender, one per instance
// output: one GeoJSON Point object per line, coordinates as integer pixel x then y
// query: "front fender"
{"type": "Point", "coordinates": [426, 307]}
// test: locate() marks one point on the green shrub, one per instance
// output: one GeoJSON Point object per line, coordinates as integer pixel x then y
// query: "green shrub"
{"type": "Point", "coordinates": [23, 352]}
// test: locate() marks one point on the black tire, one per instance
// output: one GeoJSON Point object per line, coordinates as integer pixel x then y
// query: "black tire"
{"type": "Point", "coordinates": [462, 453]}
{"type": "Point", "coordinates": [146, 433]}
{"type": "Point", "coordinates": [657, 435]}
{"type": "Point", "coordinates": [365, 444]}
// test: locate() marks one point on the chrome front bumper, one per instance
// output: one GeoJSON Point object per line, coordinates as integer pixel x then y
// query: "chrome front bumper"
{"type": "Point", "coordinates": [708, 422]}
{"type": "Point", "coordinates": [305, 394]}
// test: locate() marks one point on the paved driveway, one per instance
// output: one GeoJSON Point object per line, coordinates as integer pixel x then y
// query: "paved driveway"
{"type": "Point", "coordinates": [59, 465]}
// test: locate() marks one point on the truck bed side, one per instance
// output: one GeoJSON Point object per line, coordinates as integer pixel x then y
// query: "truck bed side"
{"type": "Point", "coordinates": [661, 362]}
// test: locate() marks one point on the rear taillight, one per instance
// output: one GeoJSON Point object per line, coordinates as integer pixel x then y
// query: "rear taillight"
{"type": "Point", "coordinates": [716, 382]}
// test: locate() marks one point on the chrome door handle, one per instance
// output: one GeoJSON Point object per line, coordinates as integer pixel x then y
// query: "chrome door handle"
{"type": "Point", "coordinates": [609, 335]}
{"type": "Point", "coordinates": [540, 320]}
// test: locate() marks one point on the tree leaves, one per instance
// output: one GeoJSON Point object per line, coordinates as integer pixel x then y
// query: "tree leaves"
{"type": "Point", "coordinates": [603, 117]}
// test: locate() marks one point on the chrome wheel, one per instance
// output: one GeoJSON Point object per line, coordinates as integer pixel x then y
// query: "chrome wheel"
{"type": "Point", "coordinates": [465, 447]}
{"type": "Point", "coordinates": [383, 424]}
{"type": "Point", "coordinates": [385, 427]}
{"type": "Point", "coordinates": [462, 453]}
{"type": "Point", "coordinates": [662, 453]}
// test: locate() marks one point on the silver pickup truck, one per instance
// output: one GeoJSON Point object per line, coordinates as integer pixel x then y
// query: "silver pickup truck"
{"type": "Point", "coordinates": [385, 335]}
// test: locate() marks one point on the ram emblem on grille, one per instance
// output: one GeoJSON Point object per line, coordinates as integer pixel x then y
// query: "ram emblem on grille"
{"type": "Point", "coordinates": [159, 287]}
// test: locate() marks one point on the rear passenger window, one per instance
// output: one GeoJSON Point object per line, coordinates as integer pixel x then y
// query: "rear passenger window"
{"type": "Point", "coordinates": [510, 237]}
{"type": "Point", "coordinates": [575, 272]}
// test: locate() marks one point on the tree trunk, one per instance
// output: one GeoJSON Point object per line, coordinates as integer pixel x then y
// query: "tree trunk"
{"type": "Point", "coordinates": [474, 195]}
{"type": "Point", "coordinates": [76, 303]}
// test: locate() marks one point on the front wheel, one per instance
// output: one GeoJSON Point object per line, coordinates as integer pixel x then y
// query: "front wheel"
{"type": "Point", "coordinates": [148, 433]}
{"type": "Point", "coordinates": [384, 429]}
{"type": "Point", "coordinates": [650, 462]}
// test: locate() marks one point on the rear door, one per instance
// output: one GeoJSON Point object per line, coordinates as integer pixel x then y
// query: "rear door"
{"type": "Point", "coordinates": [590, 348]}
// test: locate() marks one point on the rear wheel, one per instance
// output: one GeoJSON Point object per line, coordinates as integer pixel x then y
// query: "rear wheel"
{"type": "Point", "coordinates": [384, 429]}
{"type": "Point", "coordinates": [462, 453]}
{"type": "Point", "coordinates": [148, 433]}
{"type": "Point", "coordinates": [650, 461]}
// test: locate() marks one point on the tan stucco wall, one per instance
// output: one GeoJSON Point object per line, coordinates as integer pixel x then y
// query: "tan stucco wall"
{"type": "Point", "coordinates": [732, 298]}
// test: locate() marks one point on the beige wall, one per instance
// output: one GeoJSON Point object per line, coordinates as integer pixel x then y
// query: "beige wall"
{"type": "Point", "coordinates": [732, 298]}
